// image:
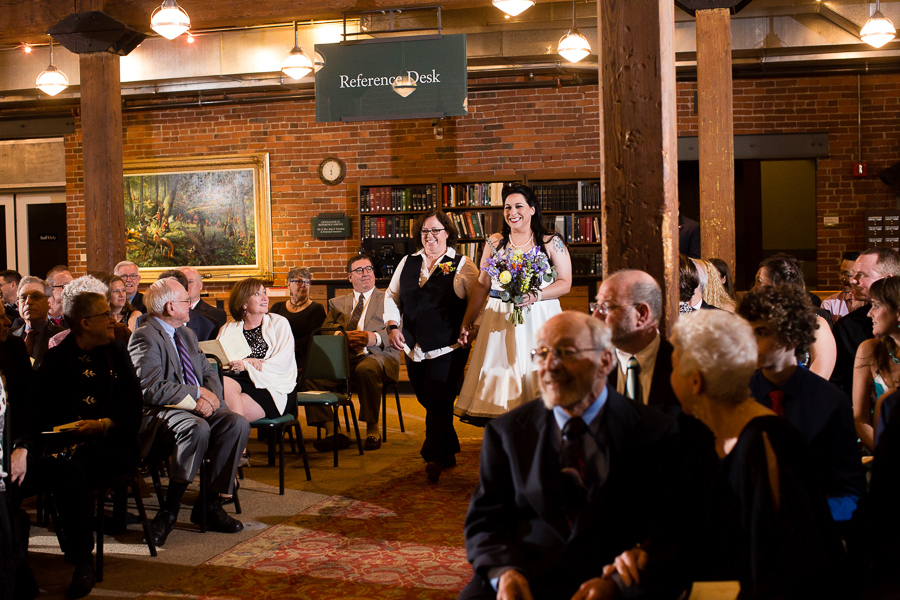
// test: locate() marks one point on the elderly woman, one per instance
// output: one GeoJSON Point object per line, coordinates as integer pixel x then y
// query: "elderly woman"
{"type": "Point", "coordinates": [304, 315]}
{"type": "Point", "coordinates": [117, 297]}
{"type": "Point", "coordinates": [432, 290]}
{"type": "Point", "coordinates": [257, 386]}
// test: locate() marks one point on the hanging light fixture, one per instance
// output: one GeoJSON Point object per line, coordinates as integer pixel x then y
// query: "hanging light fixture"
{"type": "Point", "coordinates": [513, 7]}
{"type": "Point", "coordinates": [297, 63]}
{"type": "Point", "coordinates": [878, 30]}
{"type": "Point", "coordinates": [169, 20]}
{"type": "Point", "coordinates": [404, 85]}
{"type": "Point", "coordinates": [318, 61]}
{"type": "Point", "coordinates": [52, 81]}
{"type": "Point", "coordinates": [573, 46]}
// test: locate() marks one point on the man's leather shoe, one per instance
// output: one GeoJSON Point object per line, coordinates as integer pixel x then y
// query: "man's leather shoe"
{"type": "Point", "coordinates": [161, 526]}
{"type": "Point", "coordinates": [327, 444]}
{"type": "Point", "coordinates": [372, 443]}
{"type": "Point", "coordinates": [82, 582]}
{"type": "Point", "coordinates": [433, 470]}
{"type": "Point", "coordinates": [216, 518]}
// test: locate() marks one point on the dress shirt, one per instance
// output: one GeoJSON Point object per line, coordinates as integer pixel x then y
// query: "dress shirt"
{"type": "Point", "coordinates": [170, 331]}
{"type": "Point", "coordinates": [647, 359]}
{"type": "Point", "coordinates": [464, 280]}
{"type": "Point", "coordinates": [362, 318]}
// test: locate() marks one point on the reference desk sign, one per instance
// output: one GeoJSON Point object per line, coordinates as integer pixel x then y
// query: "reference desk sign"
{"type": "Point", "coordinates": [329, 226]}
{"type": "Point", "coordinates": [378, 79]}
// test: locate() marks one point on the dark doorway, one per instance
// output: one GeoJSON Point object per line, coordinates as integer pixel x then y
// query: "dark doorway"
{"type": "Point", "coordinates": [46, 237]}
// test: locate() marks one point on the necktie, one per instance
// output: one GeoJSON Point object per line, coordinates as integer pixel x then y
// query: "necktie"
{"type": "Point", "coordinates": [357, 313]}
{"type": "Point", "coordinates": [29, 341]}
{"type": "Point", "coordinates": [777, 398]}
{"type": "Point", "coordinates": [187, 368]}
{"type": "Point", "coordinates": [633, 380]}
{"type": "Point", "coordinates": [571, 450]}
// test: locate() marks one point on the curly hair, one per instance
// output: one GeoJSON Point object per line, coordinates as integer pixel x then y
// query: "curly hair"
{"type": "Point", "coordinates": [722, 267]}
{"type": "Point", "coordinates": [787, 309]}
{"type": "Point", "coordinates": [689, 278]}
{"type": "Point", "coordinates": [887, 292]}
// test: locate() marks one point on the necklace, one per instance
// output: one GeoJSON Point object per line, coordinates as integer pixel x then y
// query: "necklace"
{"type": "Point", "coordinates": [297, 306]}
{"type": "Point", "coordinates": [514, 245]}
{"type": "Point", "coordinates": [891, 354]}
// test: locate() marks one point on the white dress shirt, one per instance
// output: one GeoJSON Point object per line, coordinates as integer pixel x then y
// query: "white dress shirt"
{"type": "Point", "coordinates": [647, 359]}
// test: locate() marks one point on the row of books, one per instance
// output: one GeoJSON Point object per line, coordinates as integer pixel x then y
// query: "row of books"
{"type": "Point", "coordinates": [388, 228]}
{"type": "Point", "coordinates": [472, 250]}
{"type": "Point", "coordinates": [397, 199]}
{"type": "Point", "coordinates": [472, 194]}
{"type": "Point", "coordinates": [478, 224]}
{"type": "Point", "coordinates": [575, 228]}
{"type": "Point", "coordinates": [468, 224]}
{"type": "Point", "coordinates": [580, 195]}
{"type": "Point", "coordinates": [587, 263]}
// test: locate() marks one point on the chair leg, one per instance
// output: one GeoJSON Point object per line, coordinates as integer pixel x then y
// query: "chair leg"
{"type": "Point", "coordinates": [142, 513]}
{"type": "Point", "coordinates": [202, 499]}
{"type": "Point", "coordinates": [383, 413]}
{"type": "Point", "coordinates": [272, 441]}
{"type": "Point", "coordinates": [355, 425]}
{"type": "Point", "coordinates": [280, 434]}
{"type": "Point", "coordinates": [98, 568]}
{"type": "Point", "coordinates": [153, 467]}
{"type": "Point", "coordinates": [290, 433]}
{"type": "Point", "coordinates": [336, 423]}
{"type": "Point", "coordinates": [237, 498]}
{"type": "Point", "coordinates": [399, 410]}
{"type": "Point", "coordinates": [301, 444]}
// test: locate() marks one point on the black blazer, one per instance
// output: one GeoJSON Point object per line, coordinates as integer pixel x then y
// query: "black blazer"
{"type": "Point", "coordinates": [138, 303]}
{"type": "Point", "coordinates": [216, 314]}
{"type": "Point", "coordinates": [515, 518]}
{"type": "Point", "coordinates": [662, 397]}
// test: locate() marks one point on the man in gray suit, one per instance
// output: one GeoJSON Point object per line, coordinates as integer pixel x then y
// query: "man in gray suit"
{"type": "Point", "coordinates": [172, 368]}
{"type": "Point", "coordinates": [372, 359]}
{"type": "Point", "coordinates": [34, 308]}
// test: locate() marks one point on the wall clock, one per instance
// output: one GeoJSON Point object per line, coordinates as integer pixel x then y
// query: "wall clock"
{"type": "Point", "coordinates": [332, 170]}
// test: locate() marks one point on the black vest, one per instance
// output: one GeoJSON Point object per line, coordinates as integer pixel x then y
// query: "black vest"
{"type": "Point", "coordinates": [432, 313]}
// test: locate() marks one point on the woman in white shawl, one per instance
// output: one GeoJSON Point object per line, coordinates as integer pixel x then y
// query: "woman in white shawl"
{"type": "Point", "coordinates": [258, 385]}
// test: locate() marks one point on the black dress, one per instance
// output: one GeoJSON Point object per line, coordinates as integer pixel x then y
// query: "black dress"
{"type": "Point", "coordinates": [303, 323]}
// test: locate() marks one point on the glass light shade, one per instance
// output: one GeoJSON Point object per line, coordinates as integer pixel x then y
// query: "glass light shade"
{"type": "Point", "coordinates": [513, 7]}
{"type": "Point", "coordinates": [297, 64]}
{"type": "Point", "coordinates": [52, 81]}
{"type": "Point", "coordinates": [404, 85]}
{"type": "Point", "coordinates": [318, 61]}
{"type": "Point", "coordinates": [573, 46]}
{"type": "Point", "coordinates": [169, 20]}
{"type": "Point", "coordinates": [878, 30]}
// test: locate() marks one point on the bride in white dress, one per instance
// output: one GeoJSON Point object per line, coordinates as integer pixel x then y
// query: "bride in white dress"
{"type": "Point", "coordinates": [500, 375]}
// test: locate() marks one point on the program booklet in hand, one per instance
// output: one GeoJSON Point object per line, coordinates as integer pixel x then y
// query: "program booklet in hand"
{"type": "Point", "coordinates": [230, 347]}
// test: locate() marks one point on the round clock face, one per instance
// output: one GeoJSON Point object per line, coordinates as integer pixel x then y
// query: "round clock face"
{"type": "Point", "coordinates": [332, 171]}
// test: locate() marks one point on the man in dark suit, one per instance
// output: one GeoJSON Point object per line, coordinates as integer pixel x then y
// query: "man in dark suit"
{"type": "Point", "coordinates": [688, 237]}
{"type": "Point", "coordinates": [195, 286]}
{"type": "Point", "coordinates": [572, 480]}
{"type": "Point", "coordinates": [130, 274]}
{"type": "Point", "coordinates": [172, 369]}
{"type": "Point", "coordinates": [34, 308]}
{"type": "Point", "coordinates": [9, 286]}
{"type": "Point", "coordinates": [373, 361]}
{"type": "Point", "coordinates": [204, 327]}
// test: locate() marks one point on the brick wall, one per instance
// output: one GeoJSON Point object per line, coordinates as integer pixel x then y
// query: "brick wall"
{"type": "Point", "coordinates": [506, 131]}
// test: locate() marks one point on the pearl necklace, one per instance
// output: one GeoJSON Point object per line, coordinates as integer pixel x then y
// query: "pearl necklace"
{"type": "Point", "coordinates": [513, 244]}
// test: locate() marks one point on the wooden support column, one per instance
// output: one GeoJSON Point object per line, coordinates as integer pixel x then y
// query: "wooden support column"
{"type": "Point", "coordinates": [639, 140]}
{"type": "Point", "coordinates": [101, 126]}
{"type": "Point", "coordinates": [716, 134]}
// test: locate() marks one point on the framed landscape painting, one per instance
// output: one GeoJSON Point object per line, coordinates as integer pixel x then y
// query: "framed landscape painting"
{"type": "Point", "coordinates": [211, 213]}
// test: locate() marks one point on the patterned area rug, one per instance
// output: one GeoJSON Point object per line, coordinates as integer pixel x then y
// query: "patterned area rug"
{"type": "Point", "coordinates": [396, 536]}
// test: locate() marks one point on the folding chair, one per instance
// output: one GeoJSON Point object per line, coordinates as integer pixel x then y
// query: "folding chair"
{"type": "Point", "coordinates": [276, 429]}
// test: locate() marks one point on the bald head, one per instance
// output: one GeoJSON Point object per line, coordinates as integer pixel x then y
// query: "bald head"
{"type": "Point", "coordinates": [630, 303]}
{"type": "Point", "coordinates": [195, 283]}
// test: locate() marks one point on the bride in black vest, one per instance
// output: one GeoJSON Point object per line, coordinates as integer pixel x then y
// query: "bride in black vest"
{"type": "Point", "coordinates": [431, 290]}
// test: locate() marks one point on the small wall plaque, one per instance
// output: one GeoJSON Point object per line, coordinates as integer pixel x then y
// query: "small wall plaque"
{"type": "Point", "coordinates": [331, 226]}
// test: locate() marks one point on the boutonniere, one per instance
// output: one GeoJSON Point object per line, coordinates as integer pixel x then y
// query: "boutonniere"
{"type": "Point", "coordinates": [446, 268]}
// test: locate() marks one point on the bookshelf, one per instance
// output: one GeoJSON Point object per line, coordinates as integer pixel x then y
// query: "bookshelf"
{"type": "Point", "coordinates": [388, 208]}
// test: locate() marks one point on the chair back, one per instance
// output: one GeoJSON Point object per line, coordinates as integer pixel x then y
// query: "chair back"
{"type": "Point", "coordinates": [217, 362]}
{"type": "Point", "coordinates": [328, 355]}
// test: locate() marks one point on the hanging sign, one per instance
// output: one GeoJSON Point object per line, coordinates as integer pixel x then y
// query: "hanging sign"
{"type": "Point", "coordinates": [392, 79]}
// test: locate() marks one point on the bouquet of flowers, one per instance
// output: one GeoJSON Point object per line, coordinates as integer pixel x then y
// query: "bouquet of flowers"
{"type": "Point", "coordinates": [519, 273]}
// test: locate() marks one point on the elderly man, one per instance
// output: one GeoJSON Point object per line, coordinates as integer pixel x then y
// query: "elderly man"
{"type": "Point", "coordinates": [58, 277]}
{"type": "Point", "coordinates": [630, 302]}
{"type": "Point", "coordinates": [173, 370]}
{"type": "Point", "coordinates": [373, 361]}
{"type": "Point", "coordinates": [9, 285]}
{"type": "Point", "coordinates": [34, 307]}
{"type": "Point", "coordinates": [195, 286]}
{"type": "Point", "coordinates": [856, 327]}
{"type": "Point", "coordinates": [570, 481]}
{"type": "Point", "coordinates": [130, 274]}
{"type": "Point", "coordinates": [204, 327]}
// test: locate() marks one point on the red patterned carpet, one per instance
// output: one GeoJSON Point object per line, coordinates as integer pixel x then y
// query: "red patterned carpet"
{"type": "Point", "coordinates": [396, 536]}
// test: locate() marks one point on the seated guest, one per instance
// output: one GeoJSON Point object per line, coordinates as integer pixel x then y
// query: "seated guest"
{"type": "Point", "coordinates": [784, 269]}
{"type": "Point", "coordinates": [690, 297]}
{"type": "Point", "coordinates": [304, 315]}
{"type": "Point", "coordinates": [768, 524]}
{"type": "Point", "coordinates": [724, 275]}
{"type": "Point", "coordinates": [172, 368]}
{"type": "Point", "coordinates": [713, 292]}
{"type": "Point", "coordinates": [34, 306]}
{"type": "Point", "coordinates": [202, 326]}
{"type": "Point", "coordinates": [784, 323]}
{"type": "Point", "coordinates": [257, 386]}
{"type": "Point", "coordinates": [117, 297]}
{"type": "Point", "coordinates": [9, 285]}
{"type": "Point", "coordinates": [569, 481]}
{"type": "Point", "coordinates": [195, 286]}
{"type": "Point", "coordinates": [58, 277]}
{"type": "Point", "coordinates": [83, 285]}
{"type": "Point", "coordinates": [131, 275]}
{"type": "Point", "coordinates": [843, 303]}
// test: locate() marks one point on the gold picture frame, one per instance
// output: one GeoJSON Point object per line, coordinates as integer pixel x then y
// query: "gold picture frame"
{"type": "Point", "coordinates": [211, 213]}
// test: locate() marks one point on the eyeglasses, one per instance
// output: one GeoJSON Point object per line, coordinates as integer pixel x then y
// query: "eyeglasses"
{"type": "Point", "coordinates": [58, 286]}
{"type": "Point", "coordinates": [33, 296]}
{"type": "Point", "coordinates": [188, 301]}
{"type": "Point", "coordinates": [564, 354]}
{"type": "Point", "coordinates": [107, 314]}
{"type": "Point", "coordinates": [369, 269]}
{"type": "Point", "coordinates": [433, 232]}
{"type": "Point", "coordinates": [132, 276]}
{"type": "Point", "coordinates": [602, 308]}
{"type": "Point", "coordinates": [300, 282]}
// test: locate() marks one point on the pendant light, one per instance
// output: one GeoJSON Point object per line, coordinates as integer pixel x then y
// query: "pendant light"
{"type": "Point", "coordinates": [169, 20]}
{"type": "Point", "coordinates": [52, 81]}
{"type": "Point", "coordinates": [513, 7]}
{"type": "Point", "coordinates": [296, 64]}
{"type": "Point", "coordinates": [573, 46]}
{"type": "Point", "coordinates": [404, 85]}
{"type": "Point", "coordinates": [878, 30]}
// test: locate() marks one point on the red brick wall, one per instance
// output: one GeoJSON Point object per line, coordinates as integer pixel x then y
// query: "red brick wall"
{"type": "Point", "coordinates": [508, 131]}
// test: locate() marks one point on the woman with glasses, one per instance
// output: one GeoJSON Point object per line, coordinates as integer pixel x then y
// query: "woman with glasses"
{"type": "Point", "coordinates": [304, 315]}
{"type": "Point", "coordinates": [500, 375]}
{"type": "Point", "coordinates": [432, 290]}
{"type": "Point", "coordinates": [117, 297]}
{"type": "Point", "coordinates": [257, 386]}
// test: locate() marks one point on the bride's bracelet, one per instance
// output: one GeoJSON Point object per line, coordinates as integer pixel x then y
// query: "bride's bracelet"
{"type": "Point", "coordinates": [539, 295]}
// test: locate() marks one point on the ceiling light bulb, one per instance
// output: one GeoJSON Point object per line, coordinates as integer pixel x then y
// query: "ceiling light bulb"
{"type": "Point", "coordinates": [27, 48]}
{"type": "Point", "coordinates": [513, 7]}
{"type": "Point", "coordinates": [878, 30]}
{"type": "Point", "coordinates": [52, 81]}
{"type": "Point", "coordinates": [190, 39]}
{"type": "Point", "coordinates": [404, 85]}
{"type": "Point", "coordinates": [297, 64]}
{"type": "Point", "coordinates": [573, 46]}
{"type": "Point", "coordinates": [169, 20]}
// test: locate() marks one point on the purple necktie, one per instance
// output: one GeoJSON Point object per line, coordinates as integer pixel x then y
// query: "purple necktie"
{"type": "Point", "coordinates": [186, 367]}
